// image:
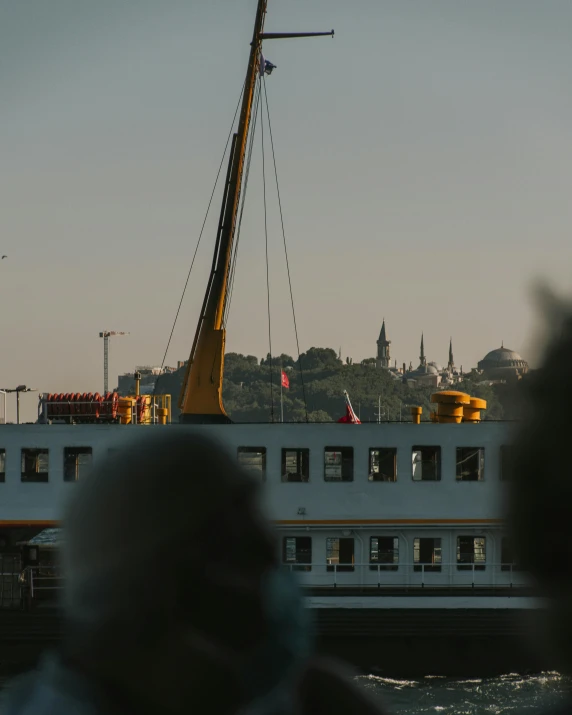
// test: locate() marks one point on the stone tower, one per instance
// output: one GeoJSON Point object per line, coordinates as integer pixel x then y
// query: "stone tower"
{"type": "Point", "coordinates": [383, 344]}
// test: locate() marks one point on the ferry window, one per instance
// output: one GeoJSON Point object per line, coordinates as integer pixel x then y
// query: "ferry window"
{"type": "Point", "coordinates": [339, 464]}
{"type": "Point", "coordinates": [470, 464]}
{"type": "Point", "coordinates": [506, 453]}
{"type": "Point", "coordinates": [383, 464]}
{"type": "Point", "coordinates": [297, 552]}
{"type": "Point", "coordinates": [426, 463]}
{"type": "Point", "coordinates": [427, 554]}
{"type": "Point", "coordinates": [77, 461]}
{"type": "Point", "coordinates": [471, 550]}
{"type": "Point", "coordinates": [34, 465]}
{"type": "Point", "coordinates": [253, 459]}
{"type": "Point", "coordinates": [2, 465]}
{"type": "Point", "coordinates": [383, 553]}
{"type": "Point", "coordinates": [295, 465]}
{"type": "Point", "coordinates": [340, 554]}
{"type": "Point", "coordinates": [508, 561]}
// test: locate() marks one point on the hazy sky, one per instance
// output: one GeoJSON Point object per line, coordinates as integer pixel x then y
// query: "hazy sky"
{"type": "Point", "coordinates": [425, 160]}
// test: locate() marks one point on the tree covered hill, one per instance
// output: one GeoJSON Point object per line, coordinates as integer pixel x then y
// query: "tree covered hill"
{"type": "Point", "coordinates": [252, 387]}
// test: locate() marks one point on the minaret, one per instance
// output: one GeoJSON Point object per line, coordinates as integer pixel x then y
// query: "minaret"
{"type": "Point", "coordinates": [383, 344]}
{"type": "Point", "coordinates": [422, 360]}
{"type": "Point", "coordinates": [451, 363]}
{"type": "Point", "coordinates": [383, 357]}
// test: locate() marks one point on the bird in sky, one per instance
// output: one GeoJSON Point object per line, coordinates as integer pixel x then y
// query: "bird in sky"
{"type": "Point", "coordinates": [3, 257]}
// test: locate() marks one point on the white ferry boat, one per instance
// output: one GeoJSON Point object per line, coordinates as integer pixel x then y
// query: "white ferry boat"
{"type": "Point", "coordinates": [396, 530]}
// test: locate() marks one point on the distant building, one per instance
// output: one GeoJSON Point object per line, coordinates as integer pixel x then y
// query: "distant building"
{"type": "Point", "coordinates": [502, 364]}
{"type": "Point", "coordinates": [149, 376]}
{"type": "Point", "coordinates": [451, 363]}
{"type": "Point", "coordinates": [383, 356]}
{"type": "Point", "coordinates": [426, 373]}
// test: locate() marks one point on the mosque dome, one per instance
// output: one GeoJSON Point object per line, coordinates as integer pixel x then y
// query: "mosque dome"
{"type": "Point", "coordinates": [423, 371]}
{"type": "Point", "coordinates": [436, 365]}
{"type": "Point", "coordinates": [502, 363]}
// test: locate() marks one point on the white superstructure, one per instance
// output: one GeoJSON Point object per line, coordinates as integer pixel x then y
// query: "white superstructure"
{"type": "Point", "coordinates": [369, 505]}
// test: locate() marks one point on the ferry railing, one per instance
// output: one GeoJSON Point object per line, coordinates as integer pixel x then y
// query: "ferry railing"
{"type": "Point", "coordinates": [68, 411]}
{"type": "Point", "coordinates": [40, 583]}
{"type": "Point", "coordinates": [412, 576]}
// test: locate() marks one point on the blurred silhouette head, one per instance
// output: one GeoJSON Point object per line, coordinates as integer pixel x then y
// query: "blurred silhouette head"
{"type": "Point", "coordinates": [541, 485]}
{"type": "Point", "coordinates": [173, 590]}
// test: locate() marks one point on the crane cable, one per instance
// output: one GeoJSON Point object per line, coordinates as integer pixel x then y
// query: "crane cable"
{"type": "Point", "coordinates": [200, 234]}
{"type": "Point", "coordinates": [242, 201]}
{"type": "Point", "coordinates": [230, 285]}
{"type": "Point", "coordinates": [267, 265]}
{"type": "Point", "coordinates": [285, 252]}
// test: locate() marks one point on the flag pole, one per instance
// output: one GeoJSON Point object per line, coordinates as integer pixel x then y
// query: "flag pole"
{"type": "Point", "coordinates": [281, 401]}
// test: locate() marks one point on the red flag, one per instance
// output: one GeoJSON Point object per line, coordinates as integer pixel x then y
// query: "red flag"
{"type": "Point", "coordinates": [350, 417]}
{"type": "Point", "coordinates": [285, 380]}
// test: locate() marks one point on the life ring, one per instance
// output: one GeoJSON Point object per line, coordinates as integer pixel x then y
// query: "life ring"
{"type": "Point", "coordinates": [96, 405]}
{"type": "Point", "coordinates": [89, 406]}
{"type": "Point", "coordinates": [49, 406]}
{"type": "Point", "coordinates": [113, 405]}
{"type": "Point", "coordinates": [105, 405]}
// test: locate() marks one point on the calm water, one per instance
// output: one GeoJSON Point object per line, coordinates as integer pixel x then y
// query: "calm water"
{"type": "Point", "coordinates": [474, 696]}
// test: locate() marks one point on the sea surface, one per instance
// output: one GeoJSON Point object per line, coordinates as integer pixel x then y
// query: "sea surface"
{"type": "Point", "coordinates": [502, 695]}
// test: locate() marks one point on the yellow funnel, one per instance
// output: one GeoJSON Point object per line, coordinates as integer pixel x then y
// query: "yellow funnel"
{"type": "Point", "coordinates": [416, 415]}
{"type": "Point", "coordinates": [450, 405]}
{"type": "Point", "coordinates": [472, 412]}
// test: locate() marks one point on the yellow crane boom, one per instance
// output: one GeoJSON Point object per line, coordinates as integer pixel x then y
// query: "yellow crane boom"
{"type": "Point", "coordinates": [201, 393]}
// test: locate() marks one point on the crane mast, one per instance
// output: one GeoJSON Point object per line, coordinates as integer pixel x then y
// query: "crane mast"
{"type": "Point", "coordinates": [201, 394]}
{"type": "Point", "coordinates": [106, 334]}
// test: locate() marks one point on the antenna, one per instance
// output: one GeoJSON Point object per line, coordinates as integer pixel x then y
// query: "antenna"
{"type": "Point", "coordinates": [106, 334]}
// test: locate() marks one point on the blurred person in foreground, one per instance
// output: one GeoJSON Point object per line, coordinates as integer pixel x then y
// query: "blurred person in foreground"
{"type": "Point", "coordinates": [541, 485]}
{"type": "Point", "coordinates": [174, 599]}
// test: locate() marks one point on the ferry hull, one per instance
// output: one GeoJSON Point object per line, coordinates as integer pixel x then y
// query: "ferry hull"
{"type": "Point", "coordinates": [205, 420]}
{"type": "Point", "coordinates": [400, 643]}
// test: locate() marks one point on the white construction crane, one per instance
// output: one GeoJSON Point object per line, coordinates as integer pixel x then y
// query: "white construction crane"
{"type": "Point", "coordinates": [106, 334]}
